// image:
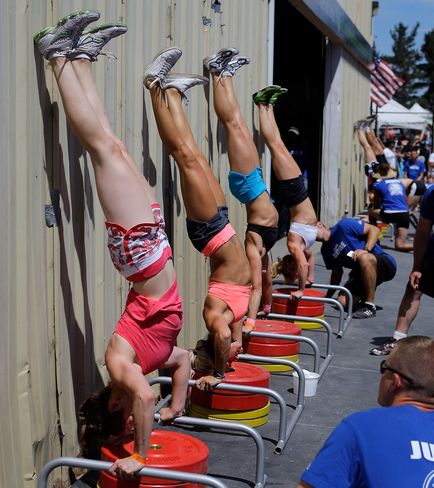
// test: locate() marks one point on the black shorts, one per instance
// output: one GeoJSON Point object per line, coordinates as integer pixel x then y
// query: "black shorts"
{"type": "Point", "coordinates": [426, 283]}
{"type": "Point", "coordinates": [400, 219]}
{"type": "Point", "coordinates": [200, 233]}
{"type": "Point", "coordinates": [291, 192]}
{"type": "Point", "coordinates": [269, 235]}
{"type": "Point", "coordinates": [386, 270]}
{"type": "Point", "coordinates": [416, 188]}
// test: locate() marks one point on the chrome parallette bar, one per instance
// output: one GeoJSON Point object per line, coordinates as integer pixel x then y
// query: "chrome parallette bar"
{"type": "Point", "coordinates": [104, 466]}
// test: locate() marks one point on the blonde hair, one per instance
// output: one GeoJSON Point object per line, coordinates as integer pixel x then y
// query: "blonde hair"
{"type": "Point", "coordinates": [282, 266]}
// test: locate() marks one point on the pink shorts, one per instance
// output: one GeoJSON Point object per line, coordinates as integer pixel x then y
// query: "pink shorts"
{"type": "Point", "coordinates": [218, 240]}
{"type": "Point", "coordinates": [236, 297]}
{"type": "Point", "coordinates": [151, 326]}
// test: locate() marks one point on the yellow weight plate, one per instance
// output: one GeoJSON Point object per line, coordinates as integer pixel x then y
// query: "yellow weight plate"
{"type": "Point", "coordinates": [195, 410]}
{"type": "Point", "coordinates": [279, 368]}
{"type": "Point", "coordinates": [310, 325]}
{"type": "Point", "coordinates": [250, 422]}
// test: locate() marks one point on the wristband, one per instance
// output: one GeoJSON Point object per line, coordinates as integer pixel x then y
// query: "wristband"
{"type": "Point", "coordinates": [218, 375]}
{"type": "Point", "coordinates": [250, 323]}
{"type": "Point", "coordinates": [139, 458]}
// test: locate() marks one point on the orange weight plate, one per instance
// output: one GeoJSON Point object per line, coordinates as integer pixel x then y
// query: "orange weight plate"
{"type": "Point", "coordinates": [272, 350]}
{"type": "Point", "coordinates": [168, 450]}
{"type": "Point", "coordinates": [273, 327]}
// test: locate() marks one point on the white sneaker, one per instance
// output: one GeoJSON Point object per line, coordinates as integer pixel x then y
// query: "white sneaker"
{"type": "Point", "coordinates": [92, 41]}
{"type": "Point", "coordinates": [161, 65]}
{"type": "Point", "coordinates": [233, 65]}
{"type": "Point", "coordinates": [183, 82]}
{"type": "Point", "coordinates": [60, 39]}
{"type": "Point", "coordinates": [217, 62]}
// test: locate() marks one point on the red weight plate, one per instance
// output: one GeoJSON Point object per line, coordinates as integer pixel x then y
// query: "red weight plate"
{"type": "Point", "coordinates": [168, 450]}
{"type": "Point", "coordinates": [234, 403]}
{"type": "Point", "coordinates": [107, 480]}
{"type": "Point", "coordinates": [272, 326]}
{"type": "Point", "coordinates": [291, 308]}
{"type": "Point", "coordinates": [273, 350]}
{"type": "Point", "coordinates": [244, 374]}
{"type": "Point", "coordinates": [303, 307]}
{"type": "Point", "coordinates": [309, 292]}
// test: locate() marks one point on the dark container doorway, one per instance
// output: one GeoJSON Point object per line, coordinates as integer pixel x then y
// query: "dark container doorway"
{"type": "Point", "coordinates": [299, 66]}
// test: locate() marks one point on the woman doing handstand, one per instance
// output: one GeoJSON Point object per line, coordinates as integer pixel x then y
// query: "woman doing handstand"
{"type": "Point", "coordinates": [291, 190]}
{"type": "Point", "coordinates": [245, 178]}
{"type": "Point", "coordinates": [208, 226]}
{"type": "Point", "coordinates": [144, 338]}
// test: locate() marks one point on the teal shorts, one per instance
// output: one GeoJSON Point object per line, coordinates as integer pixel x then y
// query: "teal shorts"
{"type": "Point", "coordinates": [246, 188]}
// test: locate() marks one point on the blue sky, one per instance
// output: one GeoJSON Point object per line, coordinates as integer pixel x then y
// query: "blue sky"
{"type": "Point", "coordinates": [408, 12]}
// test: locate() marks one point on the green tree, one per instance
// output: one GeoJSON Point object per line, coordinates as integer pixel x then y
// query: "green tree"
{"type": "Point", "coordinates": [426, 69]}
{"type": "Point", "coordinates": [405, 62]}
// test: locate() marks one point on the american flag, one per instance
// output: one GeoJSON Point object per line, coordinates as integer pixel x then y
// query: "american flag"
{"type": "Point", "coordinates": [384, 82]}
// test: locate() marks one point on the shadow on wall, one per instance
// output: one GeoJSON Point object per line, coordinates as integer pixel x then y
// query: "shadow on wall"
{"type": "Point", "coordinates": [85, 375]}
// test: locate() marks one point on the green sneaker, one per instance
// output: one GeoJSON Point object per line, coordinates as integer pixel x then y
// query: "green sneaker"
{"type": "Point", "coordinates": [60, 39]}
{"type": "Point", "coordinates": [276, 95]}
{"type": "Point", "coordinates": [263, 96]}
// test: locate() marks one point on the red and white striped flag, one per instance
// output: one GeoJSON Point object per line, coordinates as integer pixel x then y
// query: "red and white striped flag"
{"type": "Point", "coordinates": [384, 82]}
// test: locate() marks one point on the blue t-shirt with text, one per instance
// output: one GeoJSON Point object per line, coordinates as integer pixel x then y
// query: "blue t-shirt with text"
{"type": "Point", "coordinates": [392, 195]}
{"type": "Point", "coordinates": [347, 235]}
{"type": "Point", "coordinates": [385, 447]}
{"type": "Point", "coordinates": [414, 169]}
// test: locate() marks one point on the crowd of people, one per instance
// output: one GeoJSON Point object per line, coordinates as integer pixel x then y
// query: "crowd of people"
{"type": "Point", "coordinates": [240, 282]}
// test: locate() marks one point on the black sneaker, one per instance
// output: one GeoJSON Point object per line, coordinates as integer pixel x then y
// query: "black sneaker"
{"type": "Point", "coordinates": [385, 348]}
{"type": "Point", "coordinates": [365, 311]}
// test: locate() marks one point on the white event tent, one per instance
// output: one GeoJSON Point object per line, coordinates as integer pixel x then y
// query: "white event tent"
{"type": "Point", "coordinates": [422, 112]}
{"type": "Point", "coordinates": [395, 115]}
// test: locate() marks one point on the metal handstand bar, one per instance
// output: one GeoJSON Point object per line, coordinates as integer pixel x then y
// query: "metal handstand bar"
{"type": "Point", "coordinates": [323, 323]}
{"type": "Point", "coordinates": [283, 417]}
{"type": "Point", "coordinates": [104, 466]}
{"type": "Point", "coordinates": [342, 326]}
{"type": "Point", "coordinates": [300, 394]}
{"type": "Point", "coordinates": [342, 289]}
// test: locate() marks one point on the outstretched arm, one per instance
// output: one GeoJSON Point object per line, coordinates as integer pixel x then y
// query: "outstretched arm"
{"type": "Point", "coordinates": [311, 266]}
{"type": "Point", "coordinates": [255, 262]}
{"type": "Point", "coordinates": [267, 286]}
{"type": "Point", "coordinates": [126, 376]}
{"type": "Point", "coordinates": [296, 249]}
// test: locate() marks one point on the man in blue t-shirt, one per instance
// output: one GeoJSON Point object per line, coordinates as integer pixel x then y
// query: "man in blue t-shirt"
{"type": "Point", "coordinates": [390, 204]}
{"type": "Point", "coordinates": [353, 244]}
{"type": "Point", "coordinates": [421, 278]}
{"type": "Point", "coordinates": [386, 447]}
{"type": "Point", "coordinates": [414, 168]}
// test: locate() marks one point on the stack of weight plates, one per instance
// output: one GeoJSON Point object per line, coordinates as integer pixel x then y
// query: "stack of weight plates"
{"type": "Point", "coordinates": [168, 450]}
{"type": "Point", "coordinates": [248, 408]}
{"type": "Point", "coordinates": [302, 307]}
{"type": "Point", "coordinates": [273, 348]}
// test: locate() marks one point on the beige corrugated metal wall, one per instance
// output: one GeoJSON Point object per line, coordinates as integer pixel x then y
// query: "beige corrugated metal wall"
{"type": "Point", "coordinates": [347, 100]}
{"type": "Point", "coordinates": [355, 97]}
{"type": "Point", "coordinates": [60, 296]}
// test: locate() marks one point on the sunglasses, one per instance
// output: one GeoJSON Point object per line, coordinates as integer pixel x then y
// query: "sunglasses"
{"type": "Point", "coordinates": [384, 367]}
